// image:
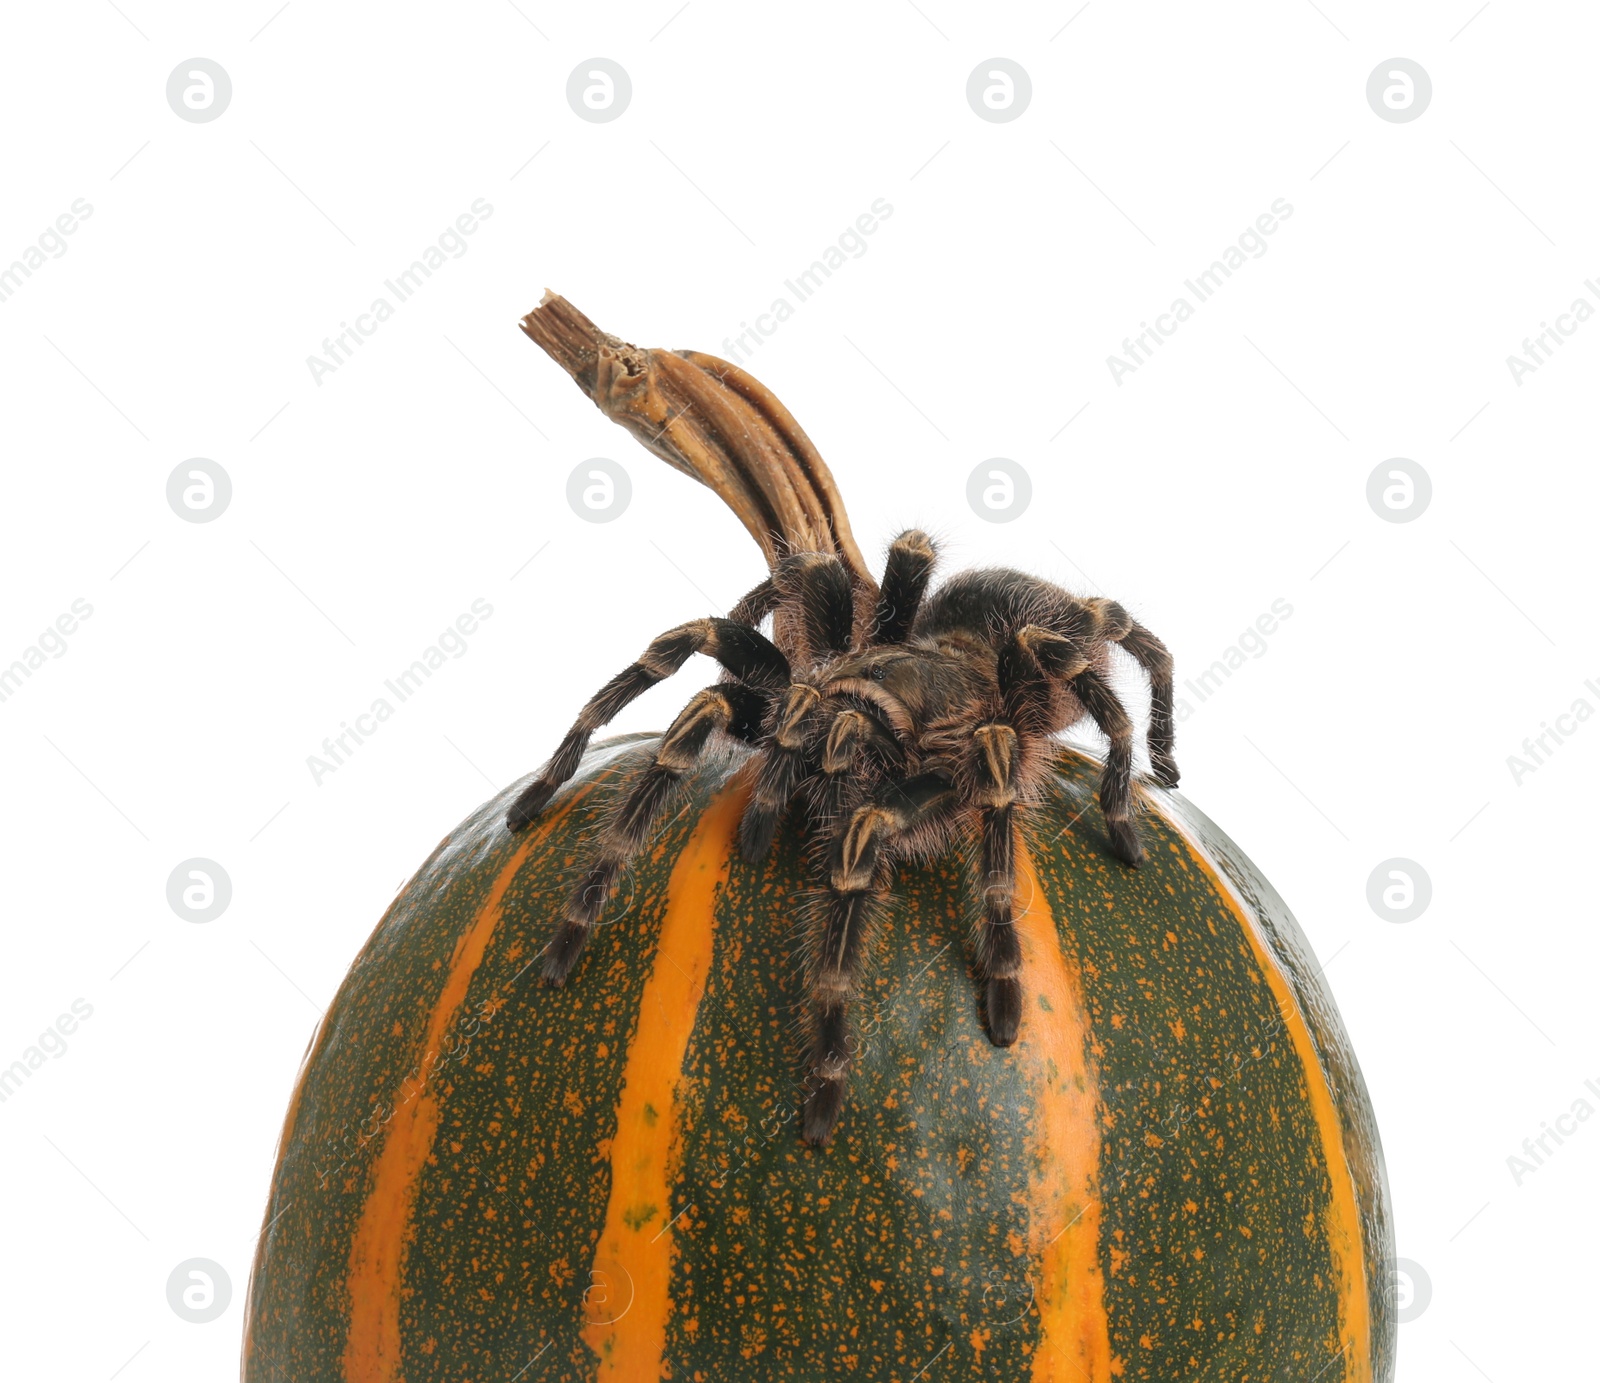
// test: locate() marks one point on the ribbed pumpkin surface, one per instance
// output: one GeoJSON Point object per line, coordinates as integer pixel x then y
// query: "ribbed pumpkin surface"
{"type": "Point", "coordinates": [1174, 1174]}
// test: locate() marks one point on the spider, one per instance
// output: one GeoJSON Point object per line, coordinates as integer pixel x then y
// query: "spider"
{"type": "Point", "coordinates": [925, 720]}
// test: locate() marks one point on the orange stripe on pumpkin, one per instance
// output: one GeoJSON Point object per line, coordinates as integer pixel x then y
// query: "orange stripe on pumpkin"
{"type": "Point", "coordinates": [1064, 1191]}
{"type": "Point", "coordinates": [630, 1293]}
{"type": "Point", "coordinates": [308, 1062]}
{"type": "Point", "coordinates": [1342, 1219]}
{"type": "Point", "coordinates": [376, 1271]}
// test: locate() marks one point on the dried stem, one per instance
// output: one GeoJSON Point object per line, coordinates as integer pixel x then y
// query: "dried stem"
{"type": "Point", "coordinates": [710, 420]}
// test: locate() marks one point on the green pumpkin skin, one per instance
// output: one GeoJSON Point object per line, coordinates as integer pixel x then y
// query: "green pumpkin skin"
{"type": "Point", "coordinates": [1175, 1174]}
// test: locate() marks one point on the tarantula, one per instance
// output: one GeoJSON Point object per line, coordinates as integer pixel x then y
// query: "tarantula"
{"type": "Point", "coordinates": [901, 732]}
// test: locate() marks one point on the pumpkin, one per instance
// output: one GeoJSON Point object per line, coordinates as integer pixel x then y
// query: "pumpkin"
{"type": "Point", "coordinates": [1174, 1173]}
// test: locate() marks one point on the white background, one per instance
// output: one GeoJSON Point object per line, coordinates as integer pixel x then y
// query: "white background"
{"type": "Point", "coordinates": [372, 509]}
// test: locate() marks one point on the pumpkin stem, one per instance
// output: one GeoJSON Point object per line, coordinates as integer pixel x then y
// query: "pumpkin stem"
{"type": "Point", "coordinates": [710, 420]}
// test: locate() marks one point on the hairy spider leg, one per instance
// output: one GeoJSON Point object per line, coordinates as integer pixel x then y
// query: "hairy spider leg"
{"type": "Point", "coordinates": [817, 588]}
{"type": "Point", "coordinates": [998, 950]}
{"type": "Point", "coordinates": [749, 656]}
{"type": "Point", "coordinates": [1151, 655]}
{"type": "Point", "coordinates": [782, 768]}
{"type": "Point", "coordinates": [728, 708]}
{"type": "Point", "coordinates": [1116, 790]}
{"type": "Point", "coordinates": [1119, 627]}
{"type": "Point", "coordinates": [906, 572]}
{"type": "Point", "coordinates": [755, 604]}
{"type": "Point", "coordinates": [858, 876]}
{"type": "Point", "coordinates": [856, 749]}
{"type": "Point", "coordinates": [1068, 660]}
{"type": "Point", "coordinates": [1027, 662]}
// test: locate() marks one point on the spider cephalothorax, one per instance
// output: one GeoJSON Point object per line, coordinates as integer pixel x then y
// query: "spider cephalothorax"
{"type": "Point", "coordinates": [904, 723]}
